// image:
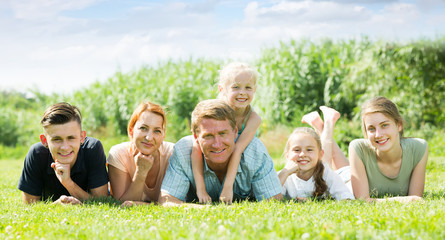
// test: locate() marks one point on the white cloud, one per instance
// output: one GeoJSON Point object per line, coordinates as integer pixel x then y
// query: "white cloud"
{"type": "Point", "coordinates": [429, 5]}
{"type": "Point", "coordinates": [45, 9]}
{"type": "Point", "coordinates": [41, 45]}
{"type": "Point", "coordinates": [296, 13]}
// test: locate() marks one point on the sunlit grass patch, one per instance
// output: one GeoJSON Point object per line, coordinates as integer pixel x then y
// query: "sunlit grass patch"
{"type": "Point", "coordinates": [105, 218]}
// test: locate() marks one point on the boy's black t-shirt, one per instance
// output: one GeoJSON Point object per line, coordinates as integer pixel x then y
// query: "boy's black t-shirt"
{"type": "Point", "coordinates": [39, 179]}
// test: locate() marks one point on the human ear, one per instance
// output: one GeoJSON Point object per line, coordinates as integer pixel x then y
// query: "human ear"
{"type": "Point", "coordinates": [321, 155]}
{"type": "Point", "coordinates": [83, 135]}
{"type": "Point", "coordinates": [43, 140]}
{"type": "Point", "coordinates": [220, 88]}
{"type": "Point", "coordinates": [130, 131]}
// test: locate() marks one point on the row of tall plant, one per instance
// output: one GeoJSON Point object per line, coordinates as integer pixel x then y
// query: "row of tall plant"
{"type": "Point", "coordinates": [300, 76]}
{"type": "Point", "coordinates": [296, 78]}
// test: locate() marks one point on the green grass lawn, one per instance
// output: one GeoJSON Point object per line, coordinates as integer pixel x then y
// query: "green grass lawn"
{"type": "Point", "coordinates": [252, 220]}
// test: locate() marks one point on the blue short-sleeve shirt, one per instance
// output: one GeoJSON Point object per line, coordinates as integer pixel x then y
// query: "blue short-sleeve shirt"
{"type": "Point", "coordinates": [256, 177]}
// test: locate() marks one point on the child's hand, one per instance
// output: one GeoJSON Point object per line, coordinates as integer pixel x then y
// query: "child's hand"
{"type": "Point", "coordinates": [204, 197]}
{"type": "Point", "coordinates": [292, 166]}
{"type": "Point", "coordinates": [226, 195]}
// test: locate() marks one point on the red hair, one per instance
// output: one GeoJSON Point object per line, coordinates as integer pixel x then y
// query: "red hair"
{"type": "Point", "coordinates": [149, 107]}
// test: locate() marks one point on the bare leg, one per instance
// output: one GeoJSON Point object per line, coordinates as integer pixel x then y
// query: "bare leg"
{"type": "Point", "coordinates": [338, 157]}
{"type": "Point", "coordinates": [333, 154]}
{"type": "Point", "coordinates": [314, 120]}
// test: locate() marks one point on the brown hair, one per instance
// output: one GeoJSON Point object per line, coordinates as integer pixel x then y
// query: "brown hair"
{"type": "Point", "coordinates": [61, 113]}
{"type": "Point", "coordinates": [212, 109]}
{"type": "Point", "coordinates": [320, 183]}
{"type": "Point", "coordinates": [384, 106]}
{"type": "Point", "coordinates": [145, 106]}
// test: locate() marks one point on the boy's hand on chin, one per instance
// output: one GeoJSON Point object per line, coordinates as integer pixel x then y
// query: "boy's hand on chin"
{"type": "Point", "coordinates": [62, 171]}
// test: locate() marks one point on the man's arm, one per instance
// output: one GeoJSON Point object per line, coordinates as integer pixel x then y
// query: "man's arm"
{"type": "Point", "coordinates": [99, 191]}
{"type": "Point", "coordinates": [265, 182]}
{"type": "Point", "coordinates": [63, 174]}
{"type": "Point", "coordinates": [97, 170]}
{"type": "Point", "coordinates": [166, 199]}
{"type": "Point", "coordinates": [176, 182]}
{"type": "Point", "coordinates": [278, 197]}
{"type": "Point", "coordinates": [28, 198]}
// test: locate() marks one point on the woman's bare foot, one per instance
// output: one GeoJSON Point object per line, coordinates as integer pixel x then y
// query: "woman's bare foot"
{"type": "Point", "coordinates": [330, 114]}
{"type": "Point", "coordinates": [313, 119]}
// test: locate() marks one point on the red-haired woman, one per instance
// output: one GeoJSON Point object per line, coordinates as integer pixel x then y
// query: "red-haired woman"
{"type": "Point", "coordinates": [136, 168]}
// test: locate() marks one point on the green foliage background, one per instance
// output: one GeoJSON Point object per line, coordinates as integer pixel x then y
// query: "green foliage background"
{"type": "Point", "coordinates": [296, 78]}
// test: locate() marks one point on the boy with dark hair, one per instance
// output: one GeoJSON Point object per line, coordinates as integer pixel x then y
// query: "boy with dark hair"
{"type": "Point", "coordinates": [65, 166]}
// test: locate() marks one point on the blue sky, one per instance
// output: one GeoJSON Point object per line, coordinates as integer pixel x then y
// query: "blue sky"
{"type": "Point", "coordinates": [63, 45]}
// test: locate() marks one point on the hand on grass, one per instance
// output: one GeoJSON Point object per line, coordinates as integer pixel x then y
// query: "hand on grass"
{"type": "Point", "coordinates": [408, 199]}
{"type": "Point", "coordinates": [129, 203]}
{"type": "Point", "coordinates": [226, 195]}
{"type": "Point", "coordinates": [204, 197]}
{"type": "Point", "coordinates": [67, 200]}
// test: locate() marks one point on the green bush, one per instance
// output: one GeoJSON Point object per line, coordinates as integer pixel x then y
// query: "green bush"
{"type": "Point", "coordinates": [296, 78]}
{"type": "Point", "coordinates": [9, 128]}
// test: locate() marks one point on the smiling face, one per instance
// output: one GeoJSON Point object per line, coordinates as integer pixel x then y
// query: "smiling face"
{"type": "Point", "coordinates": [304, 150]}
{"type": "Point", "coordinates": [148, 132]}
{"type": "Point", "coordinates": [63, 141]}
{"type": "Point", "coordinates": [382, 131]}
{"type": "Point", "coordinates": [240, 92]}
{"type": "Point", "coordinates": [217, 141]}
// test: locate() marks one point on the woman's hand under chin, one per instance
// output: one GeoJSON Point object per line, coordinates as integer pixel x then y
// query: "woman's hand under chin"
{"type": "Point", "coordinates": [144, 162]}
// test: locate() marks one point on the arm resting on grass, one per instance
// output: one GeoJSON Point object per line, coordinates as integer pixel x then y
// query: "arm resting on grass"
{"type": "Point", "coordinates": [28, 198]}
{"type": "Point", "coordinates": [123, 187]}
{"type": "Point", "coordinates": [359, 178]}
{"type": "Point", "coordinates": [97, 192]}
{"type": "Point", "coordinates": [417, 181]}
{"type": "Point", "coordinates": [101, 191]}
{"type": "Point", "coordinates": [359, 181]}
{"type": "Point", "coordinates": [278, 197]}
{"type": "Point", "coordinates": [166, 199]}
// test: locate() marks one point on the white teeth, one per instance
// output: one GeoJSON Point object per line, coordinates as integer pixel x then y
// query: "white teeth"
{"type": "Point", "coordinates": [64, 154]}
{"type": "Point", "coordinates": [218, 151]}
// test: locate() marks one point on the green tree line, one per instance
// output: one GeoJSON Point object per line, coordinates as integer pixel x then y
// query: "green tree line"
{"type": "Point", "coordinates": [295, 78]}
